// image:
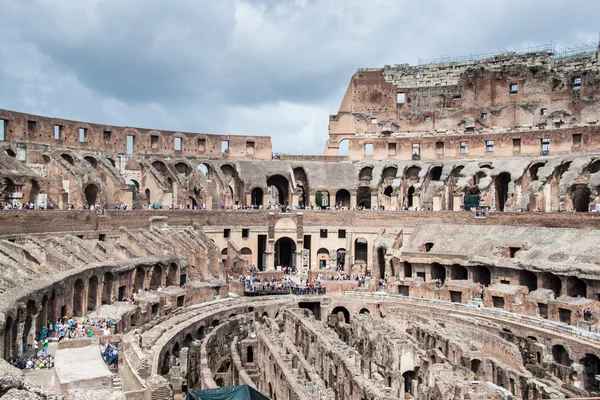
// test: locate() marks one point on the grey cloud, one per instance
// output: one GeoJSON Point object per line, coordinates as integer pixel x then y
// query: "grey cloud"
{"type": "Point", "coordinates": [193, 64]}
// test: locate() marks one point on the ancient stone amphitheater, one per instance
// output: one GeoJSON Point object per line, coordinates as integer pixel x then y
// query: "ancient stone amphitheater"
{"type": "Point", "coordinates": [468, 202]}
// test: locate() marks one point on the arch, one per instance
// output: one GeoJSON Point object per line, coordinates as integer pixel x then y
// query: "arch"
{"type": "Point", "coordinates": [204, 170]}
{"type": "Point", "coordinates": [594, 166]}
{"type": "Point", "coordinates": [482, 274]}
{"type": "Point", "coordinates": [438, 271]}
{"type": "Point", "coordinates": [407, 269]}
{"type": "Point", "coordinates": [91, 194]}
{"type": "Point", "coordinates": [412, 173]}
{"type": "Point", "coordinates": [409, 378]}
{"type": "Point", "coordinates": [502, 181]}
{"type": "Point", "coordinates": [68, 158]}
{"type": "Point", "coordinates": [92, 293]}
{"type": "Point", "coordinates": [200, 331]}
{"type": "Point", "coordinates": [340, 258]}
{"type": "Point", "coordinates": [302, 188]}
{"type": "Point", "coordinates": [140, 277]}
{"type": "Point", "coordinates": [533, 170]}
{"type": "Point", "coordinates": [322, 198]}
{"type": "Point", "coordinates": [249, 354]}
{"type": "Point", "coordinates": [388, 191]}
{"type": "Point", "coordinates": [78, 299]}
{"type": "Point", "coordinates": [160, 166]}
{"type": "Point", "coordinates": [285, 252]}
{"type": "Point", "coordinates": [107, 288]}
{"type": "Point", "coordinates": [576, 287]}
{"type": "Point", "coordinates": [343, 147]}
{"type": "Point", "coordinates": [363, 197]}
{"type": "Point", "coordinates": [164, 369]}
{"type": "Point", "coordinates": [529, 279]}
{"type": "Point", "coordinates": [112, 162]}
{"type": "Point", "coordinates": [366, 173]}
{"type": "Point", "coordinates": [364, 311]}
{"type": "Point", "coordinates": [343, 310]}
{"type": "Point", "coordinates": [342, 197]}
{"type": "Point", "coordinates": [389, 172]}
{"type": "Point", "coordinates": [591, 368]}
{"type": "Point", "coordinates": [435, 173]}
{"type": "Point", "coordinates": [381, 262]}
{"type": "Point", "coordinates": [279, 187]}
{"type": "Point", "coordinates": [323, 258]}
{"type": "Point", "coordinates": [256, 197]}
{"type": "Point", "coordinates": [92, 161]}
{"type": "Point", "coordinates": [182, 168]}
{"type": "Point", "coordinates": [246, 254]}
{"type": "Point", "coordinates": [580, 195]}
{"type": "Point", "coordinates": [552, 282]}
{"type": "Point", "coordinates": [458, 272]}
{"type": "Point", "coordinates": [156, 277]}
{"type": "Point", "coordinates": [360, 250]}
{"type": "Point", "coordinates": [10, 153]}
{"type": "Point", "coordinates": [148, 197]}
{"type": "Point", "coordinates": [172, 278]}
{"type": "Point", "coordinates": [475, 366]}
{"type": "Point", "coordinates": [560, 355]}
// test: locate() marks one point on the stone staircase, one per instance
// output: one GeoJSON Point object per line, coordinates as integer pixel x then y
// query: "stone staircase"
{"type": "Point", "coordinates": [116, 383]}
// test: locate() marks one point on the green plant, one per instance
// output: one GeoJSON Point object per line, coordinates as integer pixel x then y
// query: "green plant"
{"type": "Point", "coordinates": [534, 69]}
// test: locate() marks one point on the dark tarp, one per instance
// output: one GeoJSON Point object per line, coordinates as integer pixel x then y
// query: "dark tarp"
{"type": "Point", "coordinates": [241, 392]}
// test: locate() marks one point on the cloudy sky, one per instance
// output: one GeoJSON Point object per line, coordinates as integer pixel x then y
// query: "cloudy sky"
{"type": "Point", "coordinates": [255, 67]}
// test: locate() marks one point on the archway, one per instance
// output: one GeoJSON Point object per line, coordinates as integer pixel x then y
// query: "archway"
{"type": "Point", "coordinates": [92, 161]}
{"type": "Point", "coordinates": [529, 279]}
{"type": "Point", "coordinates": [438, 271]}
{"type": "Point", "coordinates": [576, 287]}
{"type": "Point", "coordinates": [156, 277]}
{"type": "Point", "coordinates": [343, 310]}
{"type": "Point", "coordinates": [322, 198]}
{"type": "Point", "coordinates": [172, 275]}
{"type": "Point", "coordinates": [285, 252]}
{"type": "Point", "coordinates": [552, 282]}
{"type": "Point", "coordinates": [435, 174]}
{"type": "Point", "coordinates": [282, 186]}
{"type": "Point", "coordinates": [360, 250]}
{"type": "Point", "coordinates": [560, 355]}
{"type": "Point", "coordinates": [107, 288]}
{"type": "Point", "coordinates": [323, 258]}
{"type": "Point", "coordinates": [343, 147]}
{"type": "Point", "coordinates": [246, 255]}
{"type": "Point", "coordinates": [249, 354]}
{"type": "Point", "coordinates": [342, 197]}
{"type": "Point", "coordinates": [340, 257]}
{"type": "Point", "coordinates": [458, 272]}
{"type": "Point", "coordinates": [381, 262]}
{"type": "Point", "coordinates": [148, 199]}
{"type": "Point", "coordinates": [9, 338]}
{"type": "Point", "coordinates": [365, 174]}
{"type": "Point", "coordinates": [482, 274]}
{"type": "Point", "coordinates": [475, 366]}
{"type": "Point", "coordinates": [160, 167]}
{"type": "Point", "coordinates": [67, 158]}
{"type": "Point", "coordinates": [363, 197]}
{"type": "Point", "coordinates": [502, 181]}
{"type": "Point", "coordinates": [591, 368]}
{"type": "Point", "coordinates": [140, 276]}
{"type": "Point", "coordinates": [204, 170]}
{"type": "Point", "coordinates": [364, 311]}
{"type": "Point", "coordinates": [409, 377]}
{"type": "Point", "coordinates": [78, 299]}
{"type": "Point", "coordinates": [256, 198]}
{"type": "Point", "coordinates": [388, 191]}
{"type": "Point", "coordinates": [91, 194]}
{"type": "Point", "coordinates": [92, 293]}
{"type": "Point", "coordinates": [580, 195]}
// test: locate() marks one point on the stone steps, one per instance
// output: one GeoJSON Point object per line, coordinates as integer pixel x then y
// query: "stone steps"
{"type": "Point", "coordinates": [116, 383]}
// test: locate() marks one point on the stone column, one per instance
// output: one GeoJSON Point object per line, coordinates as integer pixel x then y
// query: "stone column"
{"type": "Point", "coordinates": [312, 200]}
{"type": "Point", "coordinates": [353, 200]}
{"type": "Point", "coordinates": [374, 199]}
{"type": "Point", "coordinates": [270, 260]}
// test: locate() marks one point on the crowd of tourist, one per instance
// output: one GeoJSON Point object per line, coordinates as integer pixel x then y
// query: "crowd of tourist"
{"type": "Point", "coordinates": [360, 278]}
{"type": "Point", "coordinates": [254, 284]}
{"type": "Point", "coordinates": [110, 354]}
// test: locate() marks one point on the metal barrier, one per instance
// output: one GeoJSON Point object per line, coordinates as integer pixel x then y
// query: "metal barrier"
{"type": "Point", "coordinates": [30, 363]}
{"type": "Point", "coordinates": [301, 291]}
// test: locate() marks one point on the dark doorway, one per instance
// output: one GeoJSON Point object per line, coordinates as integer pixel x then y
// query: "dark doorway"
{"type": "Point", "coordinates": [91, 194]}
{"type": "Point", "coordinates": [342, 197]}
{"type": "Point", "coordinates": [528, 278]}
{"type": "Point", "coordinates": [409, 197]}
{"type": "Point", "coordinates": [344, 311]}
{"type": "Point", "coordinates": [381, 262]}
{"type": "Point", "coordinates": [285, 252]}
{"type": "Point", "coordinates": [313, 306]}
{"type": "Point", "coordinates": [482, 275]}
{"type": "Point", "coordinates": [262, 248]}
{"type": "Point", "coordinates": [458, 272]}
{"type": "Point", "coordinates": [580, 195]}
{"type": "Point", "coordinates": [502, 182]}
{"type": "Point", "coordinates": [407, 269]}
{"type": "Point", "coordinates": [257, 197]}
{"type": "Point", "coordinates": [438, 272]}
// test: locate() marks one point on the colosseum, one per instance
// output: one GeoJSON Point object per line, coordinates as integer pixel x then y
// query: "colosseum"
{"type": "Point", "coordinates": [449, 255]}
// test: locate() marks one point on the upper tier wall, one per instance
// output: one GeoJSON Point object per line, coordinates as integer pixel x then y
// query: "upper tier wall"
{"type": "Point", "coordinates": [48, 221]}
{"type": "Point", "coordinates": [60, 132]}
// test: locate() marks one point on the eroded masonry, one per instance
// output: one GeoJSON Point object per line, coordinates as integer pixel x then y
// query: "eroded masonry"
{"type": "Point", "coordinates": [452, 254]}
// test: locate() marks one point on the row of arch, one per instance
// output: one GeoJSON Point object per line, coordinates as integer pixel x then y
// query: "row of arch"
{"type": "Point", "coordinates": [83, 296]}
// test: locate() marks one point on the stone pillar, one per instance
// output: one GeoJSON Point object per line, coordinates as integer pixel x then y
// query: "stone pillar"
{"type": "Point", "coordinates": [374, 200]}
{"type": "Point", "coordinates": [248, 198]}
{"type": "Point", "coordinates": [270, 260]}
{"type": "Point", "coordinates": [353, 200]}
{"type": "Point", "coordinates": [394, 201]}
{"type": "Point", "coordinates": [266, 198]}
{"type": "Point", "coordinates": [312, 200]}
{"type": "Point", "coordinates": [457, 203]}
{"type": "Point", "coordinates": [332, 258]}
{"type": "Point", "coordinates": [416, 201]}
{"type": "Point", "coordinates": [294, 199]}
{"type": "Point", "coordinates": [174, 200]}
